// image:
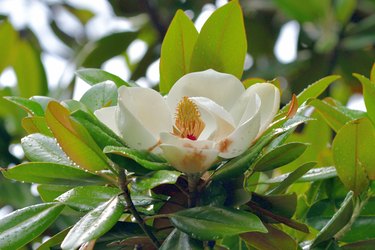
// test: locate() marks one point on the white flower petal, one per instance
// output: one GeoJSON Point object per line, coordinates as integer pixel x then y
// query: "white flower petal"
{"type": "Point", "coordinates": [224, 123]}
{"type": "Point", "coordinates": [107, 116]}
{"type": "Point", "coordinates": [189, 160]}
{"type": "Point", "coordinates": [141, 116]}
{"type": "Point", "coordinates": [270, 101]}
{"type": "Point", "coordinates": [168, 138]}
{"type": "Point", "coordinates": [224, 89]}
{"type": "Point", "coordinates": [242, 137]}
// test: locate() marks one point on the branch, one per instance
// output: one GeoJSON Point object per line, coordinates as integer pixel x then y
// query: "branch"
{"type": "Point", "coordinates": [123, 184]}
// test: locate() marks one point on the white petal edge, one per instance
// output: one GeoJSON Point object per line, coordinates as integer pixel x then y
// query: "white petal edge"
{"type": "Point", "coordinates": [141, 116]}
{"type": "Point", "coordinates": [223, 120]}
{"type": "Point", "coordinates": [168, 138]}
{"type": "Point", "coordinates": [189, 160]}
{"type": "Point", "coordinates": [107, 116]}
{"type": "Point", "coordinates": [243, 136]}
{"type": "Point", "coordinates": [270, 102]}
{"type": "Point", "coordinates": [224, 89]}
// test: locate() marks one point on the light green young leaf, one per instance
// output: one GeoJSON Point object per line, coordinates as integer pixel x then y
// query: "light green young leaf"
{"type": "Point", "coordinates": [36, 124]}
{"type": "Point", "coordinates": [353, 154]}
{"type": "Point", "coordinates": [32, 107]}
{"type": "Point", "coordinates": [368, 94]}
{"type": "Point", "coordinates": [176, 50]}
{"type": "Point", "coordinates": [24, 225]}
{"type": "Point", "coordinates": [313, 90]}
{"type": "Point", "coordinates": [94, 224]}
{"type": "Point", "coordinates": [74, 138]}
{"type": "Point", "coordinates": [221, 44]}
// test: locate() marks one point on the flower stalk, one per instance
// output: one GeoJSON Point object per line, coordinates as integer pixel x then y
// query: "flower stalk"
{"type": "Point", "coordinates": [193, 180]}
{"type": "Point", "coordinates": [123, 184]}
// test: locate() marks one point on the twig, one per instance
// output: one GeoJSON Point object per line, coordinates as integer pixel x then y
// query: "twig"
{"type": "Point", "coordinates": [193, 180]}
{"type": "Point", "coordinates": [155, 18]}
{"type": "Point", "coordinates": [123, 184]}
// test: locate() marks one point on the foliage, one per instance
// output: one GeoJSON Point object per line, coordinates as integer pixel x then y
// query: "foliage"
{"type": "Point", "coordinates": [298, 186]}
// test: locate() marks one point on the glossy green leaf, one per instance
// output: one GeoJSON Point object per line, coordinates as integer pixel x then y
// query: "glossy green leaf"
{"type": "Point", "coordinates": [372, 73]}
{"type": "Point", "coordinates": [154, 179]}
{"type": "Point", "coordinates": [292, 177]}
{"type": "Point", "coordinates": [94, 224]}
{"type": "Point", "coordinates": [221, 44]}
{"type": "Point", "coordinates": [74, 139]}
{"type": "Point", "coordinates": [74, 106]}
{"type": "Point", "coordinates": [100, 96]}
{"type": "Point", "coordinates": [313, 90]}
{"type": "Point", "coordinates": [102, 135]}
{"type": "Point", "coordinates": [315, 174]}
{"type": "Point", "coordinates": [337, 222]}
{"type": "Point", "coordinates": [93, 76]}
{"type": "Point", "coordinates": [51, 173]}
{"type": "Point", "coordinates": [32, 107]}
{"type": "Point", "coordinates": [334, 117]}
{"type": "Point", "coordinates": [240, 164]}
{"type": "Point", "coordinates": [36, 124]}
{"type": "Point", "coordinates": [176, 50]}
{"type": "Point", "coordinates": [280, 156]}
{"type": "Point", "coordinates": [49, 192]}
{"type": "Point", "coordinates": [209, 223]}
{"type": "Point", "coordinates": [178, 240]}
{"type": "Point", "coordinates": [31, 78]}
{"type": "Point", "coordinates": [42, 100]}
{"type": "Point", "coordinates": [274, 239]}
{"type": "Point", "coordinates": [251, 81]}
{"type": "Point", "coordinates": [41, 148]}
{"type": "Point", "coordinates": [54, 240]}
{"type": "Point", "coordinates": [368, 94]}
{"type": "Point", "coordinates": [87, 198]}
{"type": "Point", "coordinates": [22, 226]}
{"type": "Point", "coordinates": [144, 158]}
{"type": "Point", "coordinates": [353, 154]}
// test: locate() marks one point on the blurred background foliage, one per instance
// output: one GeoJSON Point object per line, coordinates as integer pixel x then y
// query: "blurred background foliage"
{"type": "Point", "coordinates": [43, 42]}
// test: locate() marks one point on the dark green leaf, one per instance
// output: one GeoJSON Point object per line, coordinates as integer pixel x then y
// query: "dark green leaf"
{"type": "Point", "coordinates": [48, 192]}
{"type": "Point", "coordinates": [176, 50]}
{"type": "Point", "coordinates": [209, 223]}
{"type": "Point", "coordinates": [143, 158]}
{"type": "Point", "coordinates": [95, 53]}
{"type": "Point", "coordinates": [359, 245]}
{"type": "Point", "coordinates": [22, 226]}
{"type": "Point", "coordinates": [280, 156]}
{"type": "Point", "coordinates": [284, 205]}
{"type": "Point", "coordinates": [94, 224]}
{"type": "Point", "coordinates": [155, 179]}
{"type": "Point", "coordinates": [54, 240]}
{"type": "Point", "coordinates": [221, 44]}
{"type": "Point", "coordinates": [51, 173]}
{"type": "Point", "coordinates": [292, 177]}
{"type": "Point", "coordinates": [41, 148]}
{"type": "Point", "coordinates": [337, 222]}
{"type": "Point", "coordinates": [178, 240]}
{"type": "Point", "coordinates": [101, 95]}
{"type": "Point", "coordinates": [94, 76]}
{"type": "Point", "coordinates": [102, 135]}
{"type": "Point", "coordinates": [315, 174]}
{"type": "Point", "coordinates": [32, 107]}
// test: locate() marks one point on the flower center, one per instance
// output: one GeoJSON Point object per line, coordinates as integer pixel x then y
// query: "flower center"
{"type": "Point", "coordinates": [188, 122]}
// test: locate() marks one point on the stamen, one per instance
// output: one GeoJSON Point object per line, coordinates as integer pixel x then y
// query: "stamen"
{"type": "Point", "coordinates": [188, 120]}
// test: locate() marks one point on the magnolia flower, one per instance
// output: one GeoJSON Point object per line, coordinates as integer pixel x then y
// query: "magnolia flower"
{"type": "Point", "coordinates": [206, 115]}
